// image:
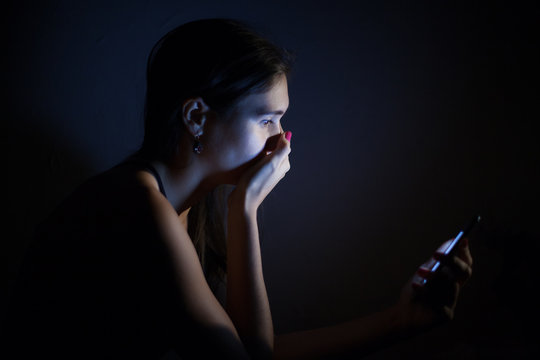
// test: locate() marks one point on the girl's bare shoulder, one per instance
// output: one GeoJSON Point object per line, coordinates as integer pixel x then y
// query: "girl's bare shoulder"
{"type": "Point", "coordinates": [120, 197]}
{"type": "Point", "coordinates": [138, 190]}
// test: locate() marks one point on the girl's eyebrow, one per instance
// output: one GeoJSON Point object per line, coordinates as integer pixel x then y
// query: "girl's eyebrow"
{"type": "Point", "coordinates": [263, 111]}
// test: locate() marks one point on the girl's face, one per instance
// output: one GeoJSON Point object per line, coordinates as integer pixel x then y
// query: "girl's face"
{"type": "Point", "coordinates": [233, 141]}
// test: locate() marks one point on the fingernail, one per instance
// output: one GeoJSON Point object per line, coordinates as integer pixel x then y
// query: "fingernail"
{"type": "Point", "coordinates": [288, 135]}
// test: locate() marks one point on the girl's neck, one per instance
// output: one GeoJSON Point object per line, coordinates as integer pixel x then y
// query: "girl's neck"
{"type": "Point", "coordinates": [185, 186]}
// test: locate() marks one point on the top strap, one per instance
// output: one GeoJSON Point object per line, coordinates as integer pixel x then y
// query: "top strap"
{"type": "Point", "coordinates": [144, 164]}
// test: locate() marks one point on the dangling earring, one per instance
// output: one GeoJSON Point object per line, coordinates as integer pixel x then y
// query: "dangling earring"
{"type": "Point", "coordinates": [197, 147]}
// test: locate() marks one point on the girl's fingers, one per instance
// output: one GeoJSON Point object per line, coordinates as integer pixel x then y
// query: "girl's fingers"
{"type": "Point", "coordinates": [417, 282]}
{"type": "Point", "coordinates": [444, 246]}
{"type": "Point", "coordinates": [464, 253]}
{"type": "Point", "coordinates": [275, 148]}
{"type": "Point", "coordinates": [456, 269]}
{"type": "Point", "coordinates": [266, 169]}
{"type": "Point", "coordinates": [280, 155]}
{"type": "Point", "coordinates": [272, 143]}
{"type": "Point", "coordinates": [283, 146]}
{"type": "Point", "coordinates": [273, 164]}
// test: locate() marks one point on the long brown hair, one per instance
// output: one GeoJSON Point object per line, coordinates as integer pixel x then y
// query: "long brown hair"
{"type": "Point", "coordinates": [207, 229]}
{"type": "Point", "coordinates": [220, 60]}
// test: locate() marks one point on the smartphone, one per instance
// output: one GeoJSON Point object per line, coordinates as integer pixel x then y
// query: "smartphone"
{"type": "Point", "coordinates": [433, 265]}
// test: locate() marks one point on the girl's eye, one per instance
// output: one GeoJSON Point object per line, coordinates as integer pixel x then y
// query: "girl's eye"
{"type": "Point", "coordinates": [267, 122]}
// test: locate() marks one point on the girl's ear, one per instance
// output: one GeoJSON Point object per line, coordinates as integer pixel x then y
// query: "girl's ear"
{"type": "Point", "coordinates": [195, 112]}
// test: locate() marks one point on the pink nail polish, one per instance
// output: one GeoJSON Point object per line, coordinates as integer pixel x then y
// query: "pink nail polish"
{"type": "Point", "coordinates": [288, 135]}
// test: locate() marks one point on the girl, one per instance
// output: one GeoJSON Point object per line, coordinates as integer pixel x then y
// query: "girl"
{"type": "Point", "coordinates": [131, 264]}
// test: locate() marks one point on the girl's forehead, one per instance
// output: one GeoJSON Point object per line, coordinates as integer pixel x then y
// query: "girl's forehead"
{"type": "Point", "coordinates": [274, 101]}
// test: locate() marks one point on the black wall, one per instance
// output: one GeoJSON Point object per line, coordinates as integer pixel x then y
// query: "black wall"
{"type": "Point", "coordinates": [407, 118]}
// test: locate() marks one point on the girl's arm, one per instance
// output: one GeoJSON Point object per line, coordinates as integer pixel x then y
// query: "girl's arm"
{"type": "Point", "coordinates": [417, 310]}
{"type": "Point", "coordinates": [247, 301]}
{"type": "Point", "coordinates": [360, 335]}
{"type": "Point", "coordinates": [200, 326]}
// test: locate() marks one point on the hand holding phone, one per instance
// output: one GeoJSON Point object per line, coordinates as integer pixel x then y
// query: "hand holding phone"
{"type": "Point", "coordinates": [429, 270]}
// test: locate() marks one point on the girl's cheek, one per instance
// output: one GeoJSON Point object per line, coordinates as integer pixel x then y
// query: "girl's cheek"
{"type": "Point", "coordinates": [253, 143]}
{"type": "Point", "coordinates": [252, 149]}
{"type": "Point", "coordinates": [242, 151]}
{"type": "Point", "coordinates": [247, 144]}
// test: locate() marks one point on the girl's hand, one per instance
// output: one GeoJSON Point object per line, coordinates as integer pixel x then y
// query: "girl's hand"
{"type": "Point", "coordinates": [267, 169]}
{"type": "Point", "coordinates": [425, 304]}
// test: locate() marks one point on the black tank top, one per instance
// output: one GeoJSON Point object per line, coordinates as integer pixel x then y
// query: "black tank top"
{"type": "Point", "coordinates": [74, 273]}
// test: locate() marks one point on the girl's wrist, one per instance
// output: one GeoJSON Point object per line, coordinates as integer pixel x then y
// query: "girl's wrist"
{"type": "Point", "coordinates": [396, 319]}
{"type": "Point", "coordinates": [239, 202]}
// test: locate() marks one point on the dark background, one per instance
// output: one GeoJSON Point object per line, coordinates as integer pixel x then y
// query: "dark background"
{"type": "Point", "coordinates": [407, 118]}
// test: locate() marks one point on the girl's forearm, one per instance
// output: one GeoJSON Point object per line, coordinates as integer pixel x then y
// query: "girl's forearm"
{"type": "Point", "coordinates": [247, 301]}
{"type": "Point", "coordinates": [361, 336]}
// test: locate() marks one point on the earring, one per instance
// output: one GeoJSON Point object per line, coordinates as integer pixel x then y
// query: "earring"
{"type": "Point", "coordinates": [197, 147]}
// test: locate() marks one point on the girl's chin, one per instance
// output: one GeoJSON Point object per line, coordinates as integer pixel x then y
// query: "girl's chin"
{"type": "Point", "coordinates": [232, 177]}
